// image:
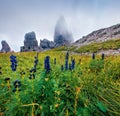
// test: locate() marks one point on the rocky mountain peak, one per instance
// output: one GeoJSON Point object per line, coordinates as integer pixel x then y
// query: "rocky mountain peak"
{"type": "Point", "coordinates": [30, 42]}
{"type": "Point", "coordinates": [5, 47]}
{"type": "Point", "coordinates": [62, 35]}
{"type": "Point", "coordinates": [46, 44]}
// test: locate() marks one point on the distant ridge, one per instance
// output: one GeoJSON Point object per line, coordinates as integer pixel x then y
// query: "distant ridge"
{"type": "Point", "coordinates": [100, 35]}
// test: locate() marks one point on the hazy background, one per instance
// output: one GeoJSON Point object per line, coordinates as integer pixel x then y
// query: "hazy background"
{"type": "Point", "coordinates": [18, 17]}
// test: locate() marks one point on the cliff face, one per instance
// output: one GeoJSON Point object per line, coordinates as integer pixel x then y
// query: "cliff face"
{"type": "Point", "coordinates": [101, 35]}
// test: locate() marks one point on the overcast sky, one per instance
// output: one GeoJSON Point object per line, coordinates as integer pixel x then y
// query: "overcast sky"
{"type": "Point", "coordinates": [18, 17]}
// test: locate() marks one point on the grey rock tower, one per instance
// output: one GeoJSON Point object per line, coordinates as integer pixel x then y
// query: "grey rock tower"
{"type": "Point", "coordinates": [5, 47]}
{"type": "Point", "coordinates": [62, 35]}
{"type": "Point", "coordinates": [30, 42]}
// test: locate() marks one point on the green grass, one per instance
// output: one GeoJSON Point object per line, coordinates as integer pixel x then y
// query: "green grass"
{"type": "Point", "coordinates": [93, 47]}
{"type": "Point", "coordinates": [92, 88]}
{"type": "Point", "coordinates": [65, 48]}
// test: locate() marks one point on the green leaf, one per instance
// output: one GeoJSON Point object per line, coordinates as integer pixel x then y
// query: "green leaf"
{"type": "Point", "coordinates": [102, 107]}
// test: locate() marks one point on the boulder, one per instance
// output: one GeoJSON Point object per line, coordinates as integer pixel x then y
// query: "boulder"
{"type": "Point", "coordinates": [5, 47]}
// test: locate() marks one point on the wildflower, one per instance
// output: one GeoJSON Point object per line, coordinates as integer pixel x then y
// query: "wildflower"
{"type": "Point", "coordinates": [17, 84]}
{"type": "Point", "coordinates": [54, 60]}
{"type": "Point", "coordinates": [46, 79]}
{"type": "Point", "coordinates": [67, 56]}
{"type": "Point", "coordinates": [103, 56]}
{"type": "Point", "coordinates": [70, 67]}
{"type": "Point", "coordinates": [56, 105]}
{"type": "Point", "coordinates": [78, 89]}
{"type": "Point", "coordinates": [62, 67]}
{"type": "Point", "coordinates": [93, 56]}
{"type": "Point", "coordinates": [36, 61]}
{"type": "Point", "coordinates": [14, 90]}
{"type": "Point", "coordinates": [7, 79]}
{"type": "Point", "coordinates": [34, 69]}
{"type": "Point", "coordinates": [47, 64]}
{"type": "Point", "coordinates": [0, 70]}
{"type": "Point", "coordinates": [13, 62]}
{"type": "Point", "coordinates": [22, 73]}
{"type": "Point", "coordinates": [73, 64]}
{"type": "Point", "coordinates": [32, 73]}
{"type": "Point", "coordinates": [32, 76]}
{"type": "Point", "coordinates": [66, 65]}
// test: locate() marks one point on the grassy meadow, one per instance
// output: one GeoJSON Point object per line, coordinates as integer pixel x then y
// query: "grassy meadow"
{"type": "Point", "coordinates": [92, 47]}
{"type": "Point", "coordinates": [90, 88]}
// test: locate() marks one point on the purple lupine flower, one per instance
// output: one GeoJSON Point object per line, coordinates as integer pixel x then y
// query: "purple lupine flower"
{"type": "Point", "coordinates": [66, 61]}
{"type": "Point", "coordinates": [70, 67]}
{"type": "Point", "coordinates": [17, 84]}
{"type": "Point", "coordinates": [0, 70]}
{"type": "Point", "coordinates": [54, 60]}
{"type": "Point", "coordinates": [32, 76]}
{"type": "Point", "coordinates": [67, 56]}
{"type": "Point", "coordinates": [73, 64]}
{"type": "Point", "coordinates": [103, 56]}
{"type": "Point", "coordinates": [62, 67]}
{"type": "Point", "coordinates": [35, 61]}
{"type": "Point", "coordinates": [93, 56]}
{"type": "Point", "coordinates": [7, 79]}
{"type": "Point", "coordinates": [47, 64]}
{"type": "Point", "coordinates": [13, 62]}
{"type": "Point", "coordinates": [66, 65]}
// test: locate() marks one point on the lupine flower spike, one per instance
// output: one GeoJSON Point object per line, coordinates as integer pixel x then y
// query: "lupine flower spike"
{"type": "Point", "coordinates": [103, 56]}
{"type": "Point", "coordinates": [70, 67]}
{"type": "Point", "coordinates": [17, 85]}
{"type": "Point", "coordinates": [66, 65]}
{"type": "Point", "coordinates": [47, 64]}
{"type": "Point", "coordinates": [0, 70]}
{"type": "Point", "coordinates": [67, 56]}
{"type": "Point", "coordinates": [73, 64]}
{"type": "Point", "coordinates": [54, 60]}
{"type": "Point", "coordinates": [13, 62]}
{"type": "Point", "coordinates": [93, 56]}
{"type": "Point", "coordinates": [62, 67]}
{"type": "Point", "coordinates": [66, 61]}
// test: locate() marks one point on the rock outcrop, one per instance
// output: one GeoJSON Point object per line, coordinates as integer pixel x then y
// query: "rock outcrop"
{"type": "Point", "coordinates": [46, 44]}
{"type": "Point", "coordinates": [5, 47]}
{"type": "Point", "coordinates": [30, 42]}
{"type": "Point", "coordinates": [62, 36]}
{"type": "Point", "coordinates": [101, 35]}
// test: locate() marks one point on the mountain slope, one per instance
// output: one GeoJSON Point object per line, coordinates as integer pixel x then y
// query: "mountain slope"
{"type": "Point", "coordinates": [108, 47]}
{"type": "Point", "coordinates": [100, 35]}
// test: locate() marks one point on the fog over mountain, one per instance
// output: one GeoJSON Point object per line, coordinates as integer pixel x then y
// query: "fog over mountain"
{"type": "Point", "coordinates": [62, 33]}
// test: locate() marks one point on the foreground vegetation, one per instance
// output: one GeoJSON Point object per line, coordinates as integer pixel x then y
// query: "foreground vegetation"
{"type": "Point", "coordinates": [91, 88]}
{"type": "Point", "coordinates": [93, 47]}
